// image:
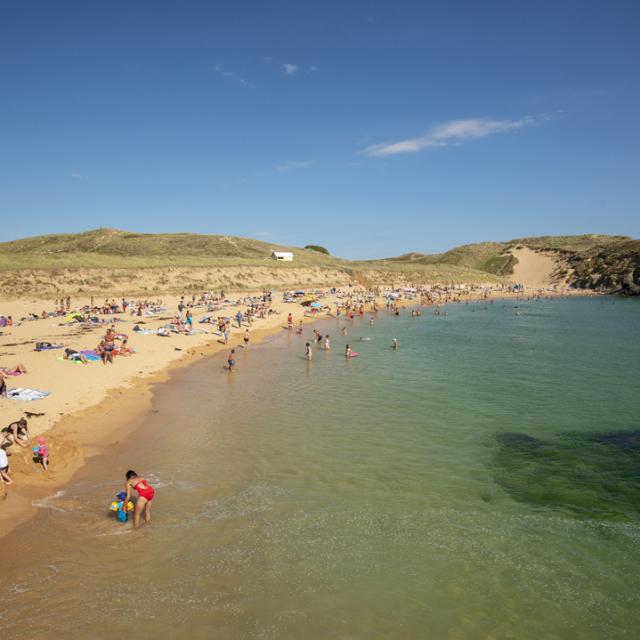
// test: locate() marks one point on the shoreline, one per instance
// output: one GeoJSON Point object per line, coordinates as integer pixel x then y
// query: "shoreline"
{"type": "Point", "coordinates": [74, 444]}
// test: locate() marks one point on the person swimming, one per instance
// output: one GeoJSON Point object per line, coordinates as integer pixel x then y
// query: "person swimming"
{"type": "Point", "coordinates": [146, 494]}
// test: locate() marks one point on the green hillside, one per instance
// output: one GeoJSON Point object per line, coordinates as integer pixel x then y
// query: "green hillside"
{"type": "Point", "coordinates": [605, 263]}
{"type": "Point", "coordinates": [112, 248]}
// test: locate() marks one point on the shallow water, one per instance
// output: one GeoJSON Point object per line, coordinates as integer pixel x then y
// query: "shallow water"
{"type": "Point", "coordinates": [481, 482]}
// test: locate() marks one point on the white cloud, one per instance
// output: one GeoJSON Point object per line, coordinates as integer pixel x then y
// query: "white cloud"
{"type": "Point", "coordinates": [78, 176]}
{"type": "Point", "coordinates": [290, 69]}
{"type": "Point", "coordinates": [294, 164]}
{"type": "Point", "coordinates": [454, 131]}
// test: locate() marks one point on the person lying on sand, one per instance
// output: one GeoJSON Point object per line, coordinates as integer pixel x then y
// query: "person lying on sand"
{"type": "Point", "coordinates": [145, 496]}
{"type": "Point", "coordinates": [14, 371]}
{"type": "Point", "coordinates": [72, 354]}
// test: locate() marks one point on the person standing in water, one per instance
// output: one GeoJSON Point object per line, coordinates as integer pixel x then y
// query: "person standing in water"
{"type": "Point", "coordinates": [231, 359]}
{"type": "Point", "coordinates": [347, 351]}
{"type": "Point", "coordinates": [327, 344]}
{"type": "Point", "coordinates": [308, 353]}
{"type": "Point", "coordinates": [145, 497]}
{"type": "Point", "coordinates": [394, 344]}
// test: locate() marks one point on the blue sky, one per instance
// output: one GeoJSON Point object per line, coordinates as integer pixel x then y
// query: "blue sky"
{"type": "Point", "coordinates": [373, 128]}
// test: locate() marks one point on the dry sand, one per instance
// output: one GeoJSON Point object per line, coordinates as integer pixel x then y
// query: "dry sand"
{"type": "Point", "coordinates": [536, 269]}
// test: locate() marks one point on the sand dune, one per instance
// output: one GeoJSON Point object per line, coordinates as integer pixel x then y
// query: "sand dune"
{"type": "Point", "coordinates": [535, 269]}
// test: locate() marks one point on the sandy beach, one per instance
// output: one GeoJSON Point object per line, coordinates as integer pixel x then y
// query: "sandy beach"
{"type": "Point", "coordinates": [88, 403]}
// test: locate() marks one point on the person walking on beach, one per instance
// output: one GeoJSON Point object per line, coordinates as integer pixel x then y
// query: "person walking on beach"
{"type": "Point", "coordinates": [231, 359]}
{"type": "Point", "coordinates": [3, 386]}
{"type": "Point", "coordinates": [4, 468]}
{"type": "Point", "coordinates": [145, 496]}
{"type": "Point", "coordinates": [289, 321]}
{"type": "Point", "coordinates": [246, 339]}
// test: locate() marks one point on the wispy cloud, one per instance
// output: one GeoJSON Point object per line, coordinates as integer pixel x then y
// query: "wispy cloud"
{"type": "Point", "coordinates": [78, 176]}
{"type": "Point", "coordinates": [452, 132]}
{"type": "Point", "coordinates": [230, 75]}
{"type": "Point", "coordinates": [261, 234]}
{"type": "Point", "coordinates": [294, 164]}
{"type": "Point", "coordinates": [289, 68]}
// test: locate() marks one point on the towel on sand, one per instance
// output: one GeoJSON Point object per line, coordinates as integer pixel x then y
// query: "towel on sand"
{"type": "Point", "coordinates": [45, 346]}
{"type": "Point", "coordinates": [26, 395]}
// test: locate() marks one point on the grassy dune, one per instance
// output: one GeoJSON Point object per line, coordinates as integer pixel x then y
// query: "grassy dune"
{"type": "Point", "coordinates": [109, 259]}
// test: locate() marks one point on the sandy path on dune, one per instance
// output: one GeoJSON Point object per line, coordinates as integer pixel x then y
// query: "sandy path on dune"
{"type": "Point", "coordinates": [534, 269]}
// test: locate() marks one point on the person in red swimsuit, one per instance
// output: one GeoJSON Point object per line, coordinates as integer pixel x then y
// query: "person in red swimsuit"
{"type": "Point", "coordinates": [145, 497]}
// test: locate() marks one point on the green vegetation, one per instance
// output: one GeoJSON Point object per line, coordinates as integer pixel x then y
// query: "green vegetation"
{"type": "Point", "coordinates": [317, 248]}
{"type": "Point", "coordinates": [111, 248]}
{"type": "Point", "coordinates": [605, 263]}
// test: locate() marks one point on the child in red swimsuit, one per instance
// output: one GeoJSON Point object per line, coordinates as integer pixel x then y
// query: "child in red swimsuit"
{"type": "Point", "coordinates": [145, 497]}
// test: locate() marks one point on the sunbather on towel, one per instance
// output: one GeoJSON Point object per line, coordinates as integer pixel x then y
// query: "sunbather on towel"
{"type": "Point", "coordinates": [75, 356]}
{"type": "Point", "coordinates": [125, 349]}
{"type": "Point", "coordinates": [14, 371]}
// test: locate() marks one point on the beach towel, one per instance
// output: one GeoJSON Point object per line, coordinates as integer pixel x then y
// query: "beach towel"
{"type": "Point", "coordinates": [26, 395]}
{"type": "Point", "coordinates": [90, 354]}
{"type": "Point", "coordinates": [40, 346]}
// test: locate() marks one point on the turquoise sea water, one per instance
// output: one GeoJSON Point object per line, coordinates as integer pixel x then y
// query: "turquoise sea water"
{"type": "Point", "coordinates": [481, 482]}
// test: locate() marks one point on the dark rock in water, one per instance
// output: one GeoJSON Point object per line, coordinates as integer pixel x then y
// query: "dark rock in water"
{"type": "Point", "coordinates": [590, 475]}
{"type": "Point", "coordinates": [624, 439]}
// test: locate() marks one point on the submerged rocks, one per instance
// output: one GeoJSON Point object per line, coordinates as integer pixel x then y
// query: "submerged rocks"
{"type": "Point", "coordinates": [588, 475]}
